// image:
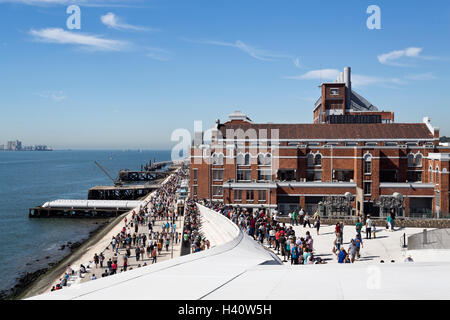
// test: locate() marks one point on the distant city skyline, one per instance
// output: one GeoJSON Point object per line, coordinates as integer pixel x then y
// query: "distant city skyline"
{"type": "Point", "coordinates": [137, 70]}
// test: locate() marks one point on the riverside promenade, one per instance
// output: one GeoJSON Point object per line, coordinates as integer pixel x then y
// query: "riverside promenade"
{"type": "Point", "coordinates": [86, 258]}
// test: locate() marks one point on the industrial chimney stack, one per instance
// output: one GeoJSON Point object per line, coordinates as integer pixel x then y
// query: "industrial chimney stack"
{"type": "Point", "coordinates": [348, 87]}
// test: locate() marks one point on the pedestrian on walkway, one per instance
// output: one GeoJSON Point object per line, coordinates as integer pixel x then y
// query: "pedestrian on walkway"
{"type": "Point", "coordinates": [368, 227]}
{"type": "Point", "coordinates": [154, 256]}
{"type": "Point", "coordinates": [306, 221]}
{"type": "Point", "coordinates": [96, 260]}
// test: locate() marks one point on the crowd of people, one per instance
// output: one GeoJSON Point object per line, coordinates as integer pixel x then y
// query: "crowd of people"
{"type": "Point", "coordinates": [192, 237]}
{"type": "Point", "coordinates": [266, 228]}
{"type": "Point", "coordinates": [138, 237]}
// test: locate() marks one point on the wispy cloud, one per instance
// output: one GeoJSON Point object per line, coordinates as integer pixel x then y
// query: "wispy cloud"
{"type": "Point", "coordinates": [93, 42]}
{"type": "Point", "coordinates": [56, 96]}
{"type": "Point", "coordinates": [321, 74]}
{"type": "Point", "coordinates": [391, 58]}
{"type": "Point", "coordinates": [158, 54]}
{"type": "Point", "coordinates": [257, 53]}
{"type": "Point", "coordinates": [297, 63]}
{"type": "Point", "coordinates": [421, 76]}
{"type": "Point", "coordinates": [112, 21]}
{"type": "Point", "coordinates": [357, 79]}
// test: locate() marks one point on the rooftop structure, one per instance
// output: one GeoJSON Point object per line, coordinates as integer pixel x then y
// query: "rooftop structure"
{"type": "Point", "coordinates": [339, 103]}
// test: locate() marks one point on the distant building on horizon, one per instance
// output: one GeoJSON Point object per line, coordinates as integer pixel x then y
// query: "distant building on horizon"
{"type": "Point", "coordinates": [14, 145]}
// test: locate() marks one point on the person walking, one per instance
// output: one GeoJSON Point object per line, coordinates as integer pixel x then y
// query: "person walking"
{"type": "Point", "coordinates": [301, 215]}
{"type": "Point", "coordinates": [352, 251]}
{"type": "Point", "coordinates": [317, 223]}
{"type": "Point", "coordinates": [368, 227]}
{"type": "Point", "coordinates": [96, 260]}
{"type": "Point", "coordinates": [306, 221]}
{"type": "Point", "coordinates": [101, 258]}
{"type": "Point", "coordinates": [138, 253]}
{"type": "Point", "coordinates": [358, 226]}
{"type": "Point", "coordinates": [154, 256]}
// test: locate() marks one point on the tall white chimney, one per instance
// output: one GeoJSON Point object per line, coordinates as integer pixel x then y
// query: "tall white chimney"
{"type": "Point", "coordinates": [348, 85]}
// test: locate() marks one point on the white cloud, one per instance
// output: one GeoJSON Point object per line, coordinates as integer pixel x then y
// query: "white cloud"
{"type": "Point", "coordinates": [158, 54]}
{"type": "Point", "coordinates": [421, 76]}
{"type": "Point", "coordinates": [388, 58]}
{"type": "Point", "coordinates": [297, 62]}
{"type": "Point", "coordinates": [112, 21]}
{"type": "Point", "coordinates": [56, 96]}
{"type": "Point", "coordinates": [324, 74]}
{"type": "Point", "coordinates": [357, 79]}
{"type": "Point", "coordinates": [254, 52]}
{"type": "Point", "coordinates": [58, 35]}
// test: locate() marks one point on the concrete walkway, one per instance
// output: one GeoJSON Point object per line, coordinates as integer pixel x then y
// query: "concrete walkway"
{"type": "Point", "coordinates": [174, 251]}
{"type": "Point", "coordinates": [385, 247]}
{"type": "Point", "coordinates": [87, 258]}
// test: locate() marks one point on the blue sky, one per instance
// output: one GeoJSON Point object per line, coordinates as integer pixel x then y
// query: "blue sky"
{"type": "Point", "coordinates": [137, 70]}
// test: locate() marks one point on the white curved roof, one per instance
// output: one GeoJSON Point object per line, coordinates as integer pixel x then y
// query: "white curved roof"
{"type": "Point", "coordinates": [239, 268]}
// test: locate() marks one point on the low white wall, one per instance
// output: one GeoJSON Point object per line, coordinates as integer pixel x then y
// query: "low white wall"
{"type": "Point", "coordinates": [217, 228]}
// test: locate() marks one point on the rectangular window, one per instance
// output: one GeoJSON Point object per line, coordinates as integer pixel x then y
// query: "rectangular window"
{"type": "Point", "coordinates": [414, 176]}
{"type": "Point", "coordinates": [262, 195]}
{"type": "Point", "coordinates": [217, 174]}
{"type": "Point", "coordinates": [237, 194]}
{"type": "Point", "coordinates": [367, 167]}
{"type": "Point", "coordinates": [243, 175]}
{"type": "Point", "coordinates": [343, 175]}
{"type": "Point", "coordinates": [367, 188]}
{"type": "Point", "coordinates": [195, 172]}
{"type": "Point", "coordinates": [371, 143]}
{"type": "Point", "coordinates": [351, 144]}
{"type": "Point", "coordinates": [314, 175]}
{"type": "Point", "coordinates": [217, 190]}
{"type": "Point", "coordinates": [265, 175]}
{"type": "Point", "coordinates": [250, 195]}
{"type": "Point", "coordinates": [334, 91]}
{"type": "Point", "coordinates": [195, 190]}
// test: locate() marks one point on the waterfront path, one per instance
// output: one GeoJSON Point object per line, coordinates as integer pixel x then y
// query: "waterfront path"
{"type": "Point", "coordinates": [101, 246]}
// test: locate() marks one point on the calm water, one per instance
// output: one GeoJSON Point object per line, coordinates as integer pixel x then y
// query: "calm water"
{"type": "Point", "coordinates": [28, 179]}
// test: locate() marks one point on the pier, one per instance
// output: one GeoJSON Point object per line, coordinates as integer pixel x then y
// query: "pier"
{"type": "Point", "coordinates": [133, 176]}
{"type": "Point", "coordinates": [131, 192]}
{"type": "Point", "coordinates": [82, 209]}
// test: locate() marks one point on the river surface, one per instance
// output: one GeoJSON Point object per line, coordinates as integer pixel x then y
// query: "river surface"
{"type": "Point", "coordinates": [30, 178]}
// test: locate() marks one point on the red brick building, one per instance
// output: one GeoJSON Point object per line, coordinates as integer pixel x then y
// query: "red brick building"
{"type": "Point", "coordinates": [338, 103]}
{"type": "Point", "coordinates": [336, 168]}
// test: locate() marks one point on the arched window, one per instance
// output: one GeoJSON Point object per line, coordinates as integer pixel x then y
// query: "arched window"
{"type": "Point", "coordinates": [418, 160]}
{"type": "Point", "coordinates": [410, 160]}
{"type": "Point", "coordinates": [247, 159]}
{"type": "Point", "coordinates": [310, 159]}
{"type": "Point", "coordinates": [430, 171]}
{"type": "Point", "coordinates": [240, 159]}
{"type": "Point", "coordinates": [368, 164]}
{"type": "Point", "coordinates": [318, 160]}
{"type": "Point", "coordinates": [261, 159]}
{"type": "Point", "coordinates": [268, 159]}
